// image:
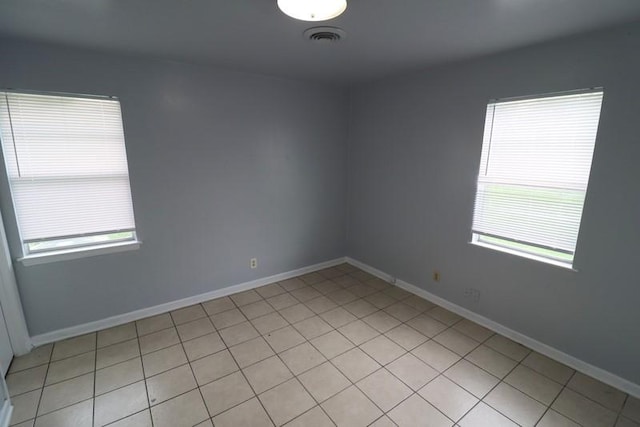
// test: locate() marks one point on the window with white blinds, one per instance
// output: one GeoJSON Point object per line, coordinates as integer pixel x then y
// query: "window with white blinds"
{"type": "Point", "coordinates": [67, 167]}
{"type": "Point", "coordinates": [534, 170]}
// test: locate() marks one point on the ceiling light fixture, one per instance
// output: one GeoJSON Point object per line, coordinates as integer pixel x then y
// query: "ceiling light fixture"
{"type": "Point", "coordinates": [312, 10]}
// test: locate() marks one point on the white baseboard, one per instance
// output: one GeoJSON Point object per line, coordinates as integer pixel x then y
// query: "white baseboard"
{"type": "Point", "coordinates": [600, 374]}
{"type": "Point", "coordinates": [121, 319]}
{"type": "Point", "coordinates": [571, 361]}
{"type": "Point", "coordinates": [5, 413]}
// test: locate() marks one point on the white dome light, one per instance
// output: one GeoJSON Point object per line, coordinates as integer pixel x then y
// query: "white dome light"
{"type": "Point", "coordinates": [312, 10]}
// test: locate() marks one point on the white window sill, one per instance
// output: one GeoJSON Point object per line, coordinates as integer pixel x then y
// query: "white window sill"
{"type": "Point", "coordinates": [77, 253]}
{"type": "Point", "coordinates": [553, 262]}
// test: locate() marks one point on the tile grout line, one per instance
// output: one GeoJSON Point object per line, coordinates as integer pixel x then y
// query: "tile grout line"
{"type": "Point", "coordinates": [255, 395]}
{"type": "Point", "coordinates": [144, 378]}
{"type": "Point", "coordinates": [372, 338]}
{"type": "Point", "coordinates": [564, 386]}
{"type": "Point", "coordinates": [317, 405]}
{"type": "Point", "coordinates": [378, 309]}
{"type": "Point", "coordinates": [198, 387]}
{"type": "Point", "coordinates": [321, 313]}
{"type": "Point", "coordinates": [94, 385]}
{"type": "Point", "coordinates": [330, 361]}
{"type": "Point", "coordinates": [59, 382]}
{"type": "Point", "coordinates": [619, 412]}
{"type": "Point", "coordinates": [294, 376]}
{"type": "Point", "coordinates": [81, 375]}
{"type": "Point", "coordinates": [624, 403]}
{"type": "Point", "coordinates": [439, 373]}
{"type": "Point", "coordinates": [128, 416]}
{"type": "Point", "coordinates": [382, 333]}
{"type": "Point", "coordinates": [549, 408]}
{"type": "Point", "coordinates": [308, 341]}
{"type": "Point", "coordinates": [413, 392]}
{"type": "Point", "coordinates": [95, 377]}
{"type": "Point", "coordinates": [487, 394]}
{"type": "Point", "coordinates": [135, 326]}
{"type": "Point", "coordinates": [417, 392]}
{"type": "Point", "coordinates": [502, 380]}
{"type": "Point", "coordinates": [35, 416]}
{"type": "Point", "coordinates": [454, 382]}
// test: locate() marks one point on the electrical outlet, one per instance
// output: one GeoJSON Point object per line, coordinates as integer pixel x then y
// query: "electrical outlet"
{"type": "Point", "coordinates": [473, 294]}
{"type": "Point", "coordinates": [253, 263]}
{"type": "Point", "coordinates": [436, 276]}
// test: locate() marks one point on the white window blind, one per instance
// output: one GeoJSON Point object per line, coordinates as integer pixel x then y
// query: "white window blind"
{"type": "Point", "coordinates": [67, 166]}
{"type": "Point", "coordinates": [534, 170]}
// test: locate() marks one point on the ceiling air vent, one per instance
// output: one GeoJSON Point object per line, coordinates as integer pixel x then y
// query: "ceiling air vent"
{"type": "Point", "coordinates": [324, 34]}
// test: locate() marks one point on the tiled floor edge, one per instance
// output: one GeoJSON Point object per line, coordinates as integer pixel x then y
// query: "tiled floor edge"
{"type": "Point", "coordinates": [73, 331]}
{"type": "Point", "coordinates": [600, 374]}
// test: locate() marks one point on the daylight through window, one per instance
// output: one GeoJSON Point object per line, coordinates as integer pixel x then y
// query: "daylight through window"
{"type": "Point", "coordinates": [67, 167]}
{"type": "Point", "coordinates": [534, 171]}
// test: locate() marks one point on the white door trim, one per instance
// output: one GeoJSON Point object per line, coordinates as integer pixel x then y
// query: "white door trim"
{"type": "Point", "coordinates": [6, 408]}
{"type": "Point", "coordinates": [10, 300]}
{"type": "Point", "coordinates": [5, 412]}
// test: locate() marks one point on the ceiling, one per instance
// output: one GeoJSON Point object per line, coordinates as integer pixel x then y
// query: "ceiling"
{"type": "Point", "coordinates": [383, 36]}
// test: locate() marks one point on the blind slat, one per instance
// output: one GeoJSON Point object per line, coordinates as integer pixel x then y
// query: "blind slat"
{"type": "Point", "coordinates": [534, 169]}
{"type": "Point", "coordinates": [67, 164]}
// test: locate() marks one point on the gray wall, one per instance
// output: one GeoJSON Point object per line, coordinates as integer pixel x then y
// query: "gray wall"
{"type": "Point", "coordinates": [224, 166]}
{"type": "Point", "coordinates": [227, 166]}
{"type": "Point", "coordinates": [413, 159]}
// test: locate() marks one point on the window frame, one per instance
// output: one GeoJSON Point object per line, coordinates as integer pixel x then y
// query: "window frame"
{"type": "Point", "coordinates": [27, 250]}
{"type": "Point", "coordinates": [71, 251]}
{"type": "Point", "coordinates": [508, 245]}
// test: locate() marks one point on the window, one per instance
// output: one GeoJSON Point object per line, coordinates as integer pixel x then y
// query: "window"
{"type": "Point", "coordinates": [534, 170]}
{"type": "Point", "coordinates": [67, 167]}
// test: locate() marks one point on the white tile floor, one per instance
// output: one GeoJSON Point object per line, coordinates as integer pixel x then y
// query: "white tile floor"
{"type": "Point", "coordinates": [336, 347]}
